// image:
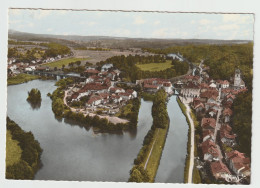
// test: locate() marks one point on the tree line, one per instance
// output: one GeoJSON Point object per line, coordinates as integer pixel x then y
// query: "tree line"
{"type": "Point", "coordinates": [31, 153]}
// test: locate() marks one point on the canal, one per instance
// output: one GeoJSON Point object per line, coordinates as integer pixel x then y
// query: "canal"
{"type": "Point", "coordinates": [171, 168]}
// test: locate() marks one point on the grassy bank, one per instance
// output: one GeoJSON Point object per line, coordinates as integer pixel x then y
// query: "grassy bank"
{"type": "Point", "coordinates": [64, 62]}
{"type": "Point", "coordinates": [23, 153]}
{"type": "Point", "coordinates": [187, 160]}
{"type": "Point", "coordinates": [155, 66]}
{"type": "Point", "coordinates": [13, 150]}
{"type": "Point", "coordinates": [154, 160]}
{"type": "Point", "coordinates": [21, 78]}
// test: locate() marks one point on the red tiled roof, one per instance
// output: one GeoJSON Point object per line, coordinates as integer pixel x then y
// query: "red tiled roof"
{"type": "Point", "coordinates": [208, 122]}
{"type": "Point", "coordinates": [210, 147]}
{"type": "Point", "coordinates": [209, 94]}
{"type": "Point", "coordinates": [147, 86]}
{"type": "Point", "coordinates": [93, 99]}
{"type": "Point", "coordinates": [75, 95]}
{"type": "Point", "coordinates": [225, 132]}
{"type": "Point", "coordinates": [218, 167]}
{"type": "Point", "coordinates": [234, 153]}
{"type": "Point", "coordinates": [93, 86]}
{"type": "Point", "coordinates": [207, 132]}
{"type": "Point", "coordinates": [92, 71]}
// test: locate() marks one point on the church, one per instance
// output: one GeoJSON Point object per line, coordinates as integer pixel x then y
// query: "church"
{"type": "Point", "coordinates": [238, 82]}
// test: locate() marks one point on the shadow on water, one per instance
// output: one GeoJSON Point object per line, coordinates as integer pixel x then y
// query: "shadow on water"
{"type": "Point", "coordinates": [35, 105]}
{"type": "Point", "coordinates": [132, 133]}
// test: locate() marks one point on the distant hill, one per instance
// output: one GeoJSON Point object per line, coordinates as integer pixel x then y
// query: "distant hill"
{"type": "Point", "coordinates": [113, 42]}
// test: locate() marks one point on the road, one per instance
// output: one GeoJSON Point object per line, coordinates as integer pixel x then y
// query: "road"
{"type": "Point", "coordinates": [191, 143]}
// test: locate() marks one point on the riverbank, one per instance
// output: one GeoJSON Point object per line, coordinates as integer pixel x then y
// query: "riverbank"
{"type": "Point", "coordinates": [189, 163]}
{"type": "Point", "coordinates": [25, 161]}
{"type": "Point", "coordinates": [21, 78]}
{"type": "Point", "coordinates": [148, 159]}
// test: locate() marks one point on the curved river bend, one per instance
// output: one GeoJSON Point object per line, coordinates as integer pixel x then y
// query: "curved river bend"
{"type": "Point", "coordinates": [74, 153]}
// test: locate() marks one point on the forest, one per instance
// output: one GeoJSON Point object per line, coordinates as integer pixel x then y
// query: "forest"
{"type": "Point", "coordinates": [222, 60]}
{"type": "Point", "coordinates": [30, 161]}
{"type": "Point", "coordinates": [242, 121]}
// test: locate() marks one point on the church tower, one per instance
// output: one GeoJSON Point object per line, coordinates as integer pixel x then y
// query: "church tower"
{"type": "Point", "coordinates": [237, 78]}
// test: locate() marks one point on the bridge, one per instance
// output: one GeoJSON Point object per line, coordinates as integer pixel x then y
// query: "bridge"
{"type": "Point", "coordinates": [56, 74]}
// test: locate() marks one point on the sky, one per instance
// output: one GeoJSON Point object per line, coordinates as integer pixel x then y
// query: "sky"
{"type": "Point", "coordinates": [134, 24]}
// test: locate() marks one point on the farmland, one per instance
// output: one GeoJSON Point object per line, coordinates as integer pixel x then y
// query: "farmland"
{"type": "Point", "coordinates": [155, 66]}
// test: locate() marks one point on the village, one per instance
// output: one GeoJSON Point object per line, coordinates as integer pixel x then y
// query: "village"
{"type": "Point", "coordinates": [211, 101]}
{"type": "Point", "coordinates": [99, 93]}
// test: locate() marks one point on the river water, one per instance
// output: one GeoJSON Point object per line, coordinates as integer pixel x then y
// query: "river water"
{"type": "Point", "coordinates": [74, 153]}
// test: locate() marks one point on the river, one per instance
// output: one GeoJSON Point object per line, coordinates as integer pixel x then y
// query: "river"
{"type": "Point", "coordinates": [74, 153]}
{"type": "Point", "coordinates": [71, 152]}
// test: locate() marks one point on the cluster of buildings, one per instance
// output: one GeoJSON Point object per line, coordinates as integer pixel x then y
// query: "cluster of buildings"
{"type": "Point", "coordinates": [152, 85]}
{"type": "Point", "coordinates": [212, 101]}
{"type": "Point", "coordinates": [101, 91]}
{"type": "Point", "coordinates": [15, 67]}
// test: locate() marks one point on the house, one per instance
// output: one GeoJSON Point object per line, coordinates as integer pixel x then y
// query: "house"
{"type": "Point", "coordinates": [208, 124]}
{"type": "Point", "coordinates": [151, 88]}
{"type": "Point", "coordinates": [211, 106]}
{"type": "Point", "coordinates": [210, 151]}
{"type": "Point", "coordinates": [125, 96]}
{"type": "Point", "coordinates": [222, 84]}
{"type": "Point", "coordinates": [116, 98]}
{"type": "Point", "coordinates": [212, 113]}
{"type": "Point", "coordinates": [94, 100]}
{"type": "Point", "coordinates": [106, 67]}
{"type": "Point", "coordinates": [116, 90]}
{"type": "Point", "coordinates": [90, 72]}
{"type": "Point", "coordinates": [167, 86]}
{"type": "Point", "coordinates": [199, 107]}
{"type": "Point", "coordinates": [230, 98]}
{"type": "Point", "coordinates": [95, 87]}
{"type": "Point", "coordinates": [219, 170]}
{"type": "Point", "coordinates": [208, 135]}
{"type": "Point", "coordinates": [190, 90]}
{"type": "Point", "coordinates": [227, 112]}
{"type": "Point", "coordinates": [208, 94]}
{"type": "Point", "coordinates": [213, 85]}
{"type": "Point", "coordinates": [226, 136]}
{"type": "Point", "coordinates": [239, 163]}
{"type": "Point", "coordinates": [132, 92]}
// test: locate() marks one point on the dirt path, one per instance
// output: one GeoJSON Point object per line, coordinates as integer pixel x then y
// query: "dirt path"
{"type": "Point", "coordinates": [151, 150]}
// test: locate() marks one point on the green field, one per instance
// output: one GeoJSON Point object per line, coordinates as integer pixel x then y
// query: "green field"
{"type": "Point", "coordinates": [156, 154]}
{"type": "Point", "coordinates": [13, 150]}
{"type": "Point", "coordinates": [65, 62]}
{"type": "Point", "coordinates": [21, 78]}
{"type": "Point", "coordinates": [155, 66]}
